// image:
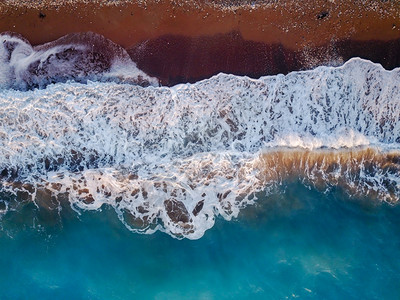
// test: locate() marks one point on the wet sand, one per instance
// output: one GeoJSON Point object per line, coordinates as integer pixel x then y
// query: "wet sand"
{"type": "Point", "coordinates": [178, 59]}
{"type": "Point", "coordinates": [180, 41]}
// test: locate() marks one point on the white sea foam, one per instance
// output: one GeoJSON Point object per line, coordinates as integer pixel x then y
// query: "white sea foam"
{"type": "Point", "coordinates": [79, 57]}
{"type": "Point", "coordinates": [172, 159]}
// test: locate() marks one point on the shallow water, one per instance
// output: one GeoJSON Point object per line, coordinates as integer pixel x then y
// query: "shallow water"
{"type": "Point", "coordinates": [174, 159]}
{"type": "Point", "coordinates": [278, 187]}
{"type": "Point", "coordinates": [296, 242]}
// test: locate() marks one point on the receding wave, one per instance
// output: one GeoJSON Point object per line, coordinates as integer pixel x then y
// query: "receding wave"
{"type": "Point", "coordinates": [77, 56]}
{"type": "Point", "coordinates": [173, 159]}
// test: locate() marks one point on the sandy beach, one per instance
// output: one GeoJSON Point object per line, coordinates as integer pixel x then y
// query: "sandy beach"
{"type": "Point", "coordinates": [293, 24]}
{"type": "Point", "coordinates": [190, 40]}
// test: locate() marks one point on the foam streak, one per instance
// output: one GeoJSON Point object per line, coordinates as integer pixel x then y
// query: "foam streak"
{"type": "Point", "coordinates": [173, 159]}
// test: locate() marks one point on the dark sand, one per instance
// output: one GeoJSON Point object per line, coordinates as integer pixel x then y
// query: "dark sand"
{"type": "Point", "coordinates": [177, 59]}
{"type": "Point", "coordinates": [181, 41]}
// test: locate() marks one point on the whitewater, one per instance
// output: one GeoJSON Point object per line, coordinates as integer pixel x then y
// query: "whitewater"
{"type": "Point", "coordinates": [175, 158]}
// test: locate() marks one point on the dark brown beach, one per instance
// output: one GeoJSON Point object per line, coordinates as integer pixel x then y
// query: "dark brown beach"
{"type": "Point", "coordinates": [180, 41]}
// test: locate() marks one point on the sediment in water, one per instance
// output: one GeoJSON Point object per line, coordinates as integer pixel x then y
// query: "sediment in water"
{"type": "Point", "coordinates": [145, 205]}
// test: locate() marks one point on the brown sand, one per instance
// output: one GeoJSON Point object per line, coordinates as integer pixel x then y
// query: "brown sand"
{"type": "Point", "coordinates": [292, 24]}
{"type": "Point", "coordinates": [176, 59]}
{"type": "Point", "coordinates": [180, 41]}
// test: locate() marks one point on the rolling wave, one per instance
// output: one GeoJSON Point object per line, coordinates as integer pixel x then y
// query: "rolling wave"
{"type": "Point", "coordinates": [172, 159]}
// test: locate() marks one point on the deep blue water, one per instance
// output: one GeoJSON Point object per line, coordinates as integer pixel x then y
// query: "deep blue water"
{"type": "Point", "coordinates": [298, 243]}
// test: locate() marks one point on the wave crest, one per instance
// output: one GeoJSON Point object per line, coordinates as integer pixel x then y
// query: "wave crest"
{"type": "Point", "coordinates": [173, 159]}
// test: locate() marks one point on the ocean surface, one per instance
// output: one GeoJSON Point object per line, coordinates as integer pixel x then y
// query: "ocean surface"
{"type": "Point", "coordinates": [112, 187]}
{"type": "Point", "coordinates": [295, 243]}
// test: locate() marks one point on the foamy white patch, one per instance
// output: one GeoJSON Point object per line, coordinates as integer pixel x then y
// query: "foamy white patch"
{"type": "Point", "coordinates": [340, 138]}
{"type": "Point", "coordinates": [126, 71]}
{"type": "Point", "coordinates": [13, 50]}
{"type": "Point", "coordinates": [172, 159]}
{"type": "Point", "coordinates": [24, 67]}
{"type": "Point", "coordinates": [180, 197]}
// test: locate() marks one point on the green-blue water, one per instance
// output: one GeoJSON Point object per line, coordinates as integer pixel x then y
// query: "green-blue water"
{"type": "Point", "coordinates": [300, 243]}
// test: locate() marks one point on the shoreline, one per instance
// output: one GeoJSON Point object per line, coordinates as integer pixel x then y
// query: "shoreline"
{"type": "Point", "coordinates": [178, 59]}
{"type": "Point", "coordinates": [187, 41]}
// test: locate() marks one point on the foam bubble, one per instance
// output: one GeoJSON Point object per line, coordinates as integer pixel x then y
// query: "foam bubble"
{"type": "Point", "coordinates": [173, 159]}
{"type": "Point", "coordinates": [78, 56]}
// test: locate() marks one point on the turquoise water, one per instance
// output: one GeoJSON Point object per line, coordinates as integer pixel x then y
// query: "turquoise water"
{"type": "Point", "coordinates": [295, 243]}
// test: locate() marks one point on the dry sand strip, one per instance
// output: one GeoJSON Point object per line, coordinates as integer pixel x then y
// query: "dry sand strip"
{"type": "Point", "coordinates": [293, 24]}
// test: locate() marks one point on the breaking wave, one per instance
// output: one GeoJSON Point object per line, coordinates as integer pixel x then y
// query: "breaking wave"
{"type": "Point", "coordinates": [173, 159]}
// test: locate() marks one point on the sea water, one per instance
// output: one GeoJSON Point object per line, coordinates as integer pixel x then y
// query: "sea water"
{"type": "Point", "coordinates": [295, 243]}
{"type": "Point", "coordinates": [173, 159]}
{"type": "Point", "coordinates": [279, 187]}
